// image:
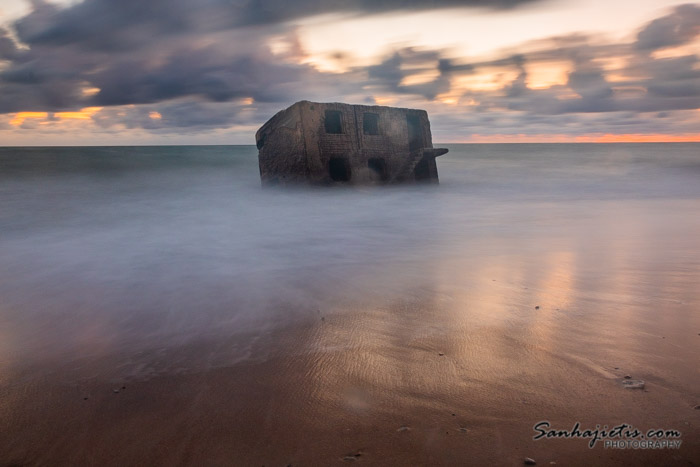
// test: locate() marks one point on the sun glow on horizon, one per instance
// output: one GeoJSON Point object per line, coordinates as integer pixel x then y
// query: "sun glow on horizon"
{"type": "Point", "coordinates": [585, 138]}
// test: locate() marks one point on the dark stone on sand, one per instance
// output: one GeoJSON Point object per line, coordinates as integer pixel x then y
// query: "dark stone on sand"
{"type": "Point", "coordinates": [537, 307]}
{"type": "Point", "coordinates": [403, 428]}
{"type": "Point", "coordinates": [441, 354]}
{"type": "Point", "coordinates": [85, 398]}
{"type": "Point", "coordinates": [633, 384]}
{"type": "Point", "coordinates": [352, 457]}
{"type": "Point", "coordinates": [529, 461]}
{"type": "Point", "coordinates": [454, 415]}
{"type": "Point", "coordinates": [627, 376]}
{"type": "Point", "coordinates": [697, 407]}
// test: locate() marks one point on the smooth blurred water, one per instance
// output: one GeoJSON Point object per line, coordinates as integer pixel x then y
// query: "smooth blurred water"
{"type": "Point", "coordinates": [142, 247]}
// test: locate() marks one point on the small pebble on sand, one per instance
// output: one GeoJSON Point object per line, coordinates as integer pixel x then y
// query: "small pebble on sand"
{"type": "Point", "coordinates": [404, 428]}
{"type": "Point", "coordinates": [537, 307]}
{"type": "Point", "coordinates": [529, 461]}
{"type": "Point", "coordinates": [115, 391]}
{"type": "Point", "coordinates": [441, 354]}
{"type": "Point", "coordinates": [697, 407]}
{"type": "Point", "coordinates": [463, 430]}
{"type": "Point", "coordinates": [627, 376]}
{"type": "Point", "coordinates": [633, 384]}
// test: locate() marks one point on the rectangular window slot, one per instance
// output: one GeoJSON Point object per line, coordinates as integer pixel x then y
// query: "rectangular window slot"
{"type": "Point", "coordinates": [333, 122]}
{"type": "Point", "coordinates": [370, 124]}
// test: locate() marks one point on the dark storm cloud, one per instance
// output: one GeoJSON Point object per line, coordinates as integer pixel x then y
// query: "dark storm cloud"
{"type": "Point", "coordinates": [262, 11]}
{"type": "Point", "coordinates": [8, 49]}
{"type": "Point", "coordinates": [181, 114]}
{"type": "Point", "coordinates": [129, 20]}
{"type": "Point", "coordinates": [654, 86]}
{"type": "Point", "coordinates": [138, 51]}
{"type": "Point", "coordinates": [678, 28]}
{"type": "Point", "coordinates": [590, 84]}
{"type": "Point", "coordinates": [221, 67]}
{"type": "Point", "coordinates": [642, 83]}
{"type": "Point", "coordinates": [209, 73]}
{"type": "Point", "coordinates": [391, 72]}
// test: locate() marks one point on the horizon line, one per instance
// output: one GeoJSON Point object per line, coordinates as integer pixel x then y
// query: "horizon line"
{"type": "Point", "coordinates": [253, 145]}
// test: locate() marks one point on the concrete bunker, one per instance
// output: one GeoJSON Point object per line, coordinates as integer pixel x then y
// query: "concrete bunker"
{"type": "Point", "coordinates": [328, 143]}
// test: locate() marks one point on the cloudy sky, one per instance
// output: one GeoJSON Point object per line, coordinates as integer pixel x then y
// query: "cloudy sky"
{"type": "Point", "coordinates": [212, 71]}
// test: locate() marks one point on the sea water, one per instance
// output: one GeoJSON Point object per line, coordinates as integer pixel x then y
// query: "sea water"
{"type": "Point", "coordinates": [112, 249]}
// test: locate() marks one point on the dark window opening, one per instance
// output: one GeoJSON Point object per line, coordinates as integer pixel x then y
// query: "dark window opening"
{"type": "Point", "coordinates": [422, 170]}
{"type": "Point", "coordinates": [339, 169]}
{"type": "Point", "coordinates": [370, 124]}
{"type": "Point", "coordinates": [333, 122]}
{"type": "Point", "coordinates": [378, 166]}
{"type": "Point", "coordinates": [415, 135]}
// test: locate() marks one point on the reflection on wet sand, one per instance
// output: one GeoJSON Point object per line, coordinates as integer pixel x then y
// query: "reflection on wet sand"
{"type": "Point", "coordinates": [459, 355]}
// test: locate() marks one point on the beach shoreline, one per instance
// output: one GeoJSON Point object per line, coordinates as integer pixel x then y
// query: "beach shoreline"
{"type": "Point", "coordinates": [341, 387]}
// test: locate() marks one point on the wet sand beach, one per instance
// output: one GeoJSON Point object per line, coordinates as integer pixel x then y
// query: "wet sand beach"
{"type": "Point", "coordinates": [170, 318]}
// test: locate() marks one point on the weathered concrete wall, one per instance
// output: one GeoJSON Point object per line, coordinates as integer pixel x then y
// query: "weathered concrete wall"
{"type": "Point", "coordinates": [281, 151]}
{"type": "Point", "coordinates": [296, 146]}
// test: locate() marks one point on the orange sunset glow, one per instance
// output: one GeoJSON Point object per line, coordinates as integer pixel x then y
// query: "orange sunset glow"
{"type": "Point", "coordinates": [593, 138]}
